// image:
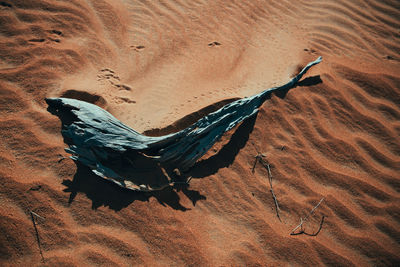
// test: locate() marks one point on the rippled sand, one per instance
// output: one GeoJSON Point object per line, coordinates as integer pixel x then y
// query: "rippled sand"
{"type": "Point", "coordinates": [160, 65]}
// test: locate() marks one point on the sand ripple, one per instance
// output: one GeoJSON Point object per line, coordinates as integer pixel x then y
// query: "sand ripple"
{"type": "Point", "coordinates": [159, 63]}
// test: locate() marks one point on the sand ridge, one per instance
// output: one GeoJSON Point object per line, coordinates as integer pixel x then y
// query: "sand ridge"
{"type": "Point", "coordinates": [160, 65]}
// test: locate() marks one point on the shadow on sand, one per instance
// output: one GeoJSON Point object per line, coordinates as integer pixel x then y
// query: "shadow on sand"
{"type": "Point", "coordinates": [105, 193]}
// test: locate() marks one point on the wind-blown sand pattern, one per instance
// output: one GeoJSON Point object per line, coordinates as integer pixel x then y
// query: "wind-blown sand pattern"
{"type": "Point", "coordinates": [160, 65]}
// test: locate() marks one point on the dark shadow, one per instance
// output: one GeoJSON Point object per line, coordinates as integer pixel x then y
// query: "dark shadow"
{"type": "Point", "coordinates": [169, 197]}
{"type": "Point", "coordinates": [282, 93]}
{"type": "Point", "coordinates": [193, 195]}
{"type": "Point", "coordinates": [309, 81]}
{"type": "Point", "coordinates": [227, 154]}
{"type": "Point", "coordinates": [108, 194]}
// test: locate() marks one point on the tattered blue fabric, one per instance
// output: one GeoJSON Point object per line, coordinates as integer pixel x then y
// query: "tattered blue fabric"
{"type": "Point", "coordinates": [114, 151]}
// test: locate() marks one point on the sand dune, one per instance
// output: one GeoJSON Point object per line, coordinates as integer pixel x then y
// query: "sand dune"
{"type": "Point", "coordinates": [160, 65]}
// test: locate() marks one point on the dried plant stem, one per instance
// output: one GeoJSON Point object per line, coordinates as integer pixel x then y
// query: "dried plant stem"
{"type": "Point", "coordinates": [302, 221]}
{"type": "Point", "coordinates": [272, 192]}
{"type": "Point", "coordinates": [319, 228]}
{"type": "Point", "coordinates": [260, 158]}
{"type": "Point", "coordinates": [254, 165]}
{"type": "Point", "coordinates": [36, 231]}
{"type": "Point", "coordinates": [269, 174]}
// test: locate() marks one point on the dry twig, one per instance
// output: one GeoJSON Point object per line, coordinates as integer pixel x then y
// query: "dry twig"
{"type": "Point", "coordinates": [272, 192]}
{"type": "Point", "coordinates": [302, 231]}
{"type": "Point", "coordinates": [61, 158]}
{"type": "Point", "coordinates": [319, 228]}
{"type": "Point", "coordinates": [302, 221]}
{"type": "Point", "coordinates": [36, 231]}
{"type": "Point", "coordinates": [260, 158]}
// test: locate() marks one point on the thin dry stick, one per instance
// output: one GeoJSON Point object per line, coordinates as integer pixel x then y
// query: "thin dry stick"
{"type": "Point", "coordinates": [272, 192]}
{"type": "Point", "coordinates": [314, 234]}
{"type": "Point", "coordinates": [269, 173]}
{"type": "Point", "coordinates": [259, 158]}
{"type": "Point", "coordinates": [305, 219]}
{"type": "Point", "coordinates": [36, 231]}
{"type": "Point", "coordinates": [319, 229]}
{"type": "Point", "coordinates": [255, 163]}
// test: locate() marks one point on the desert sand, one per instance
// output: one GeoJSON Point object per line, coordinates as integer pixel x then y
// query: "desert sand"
{"type": "Point", "coordinates": [158, 66]}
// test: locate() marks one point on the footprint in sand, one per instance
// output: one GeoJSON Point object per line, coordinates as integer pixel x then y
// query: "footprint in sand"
{"type": "Point", "coordinates": [215, 43]}
{"type": "Point", "coordinates": [137, 48]}
{"type": "Point", "coordinates": [121, 100]}
{"type": "Point", "coordinates": [37, 40]}
{"type": "Point", "coordinates": [311, 51]}
{"type": "Point", "coordinates": [53, 36]}
{"type": "Point", "coordinates": [110, 76]}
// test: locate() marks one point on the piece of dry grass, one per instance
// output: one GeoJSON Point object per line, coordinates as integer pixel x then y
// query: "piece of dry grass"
{"type": "Point", "coordinates": [302, 221]}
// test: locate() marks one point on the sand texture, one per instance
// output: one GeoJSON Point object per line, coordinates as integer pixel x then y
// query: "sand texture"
{"type": "Point", "coordinates": [159, 66]}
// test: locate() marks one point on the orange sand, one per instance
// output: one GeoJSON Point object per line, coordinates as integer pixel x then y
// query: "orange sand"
{"type": "Point", "coordinates": [152, 63]}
